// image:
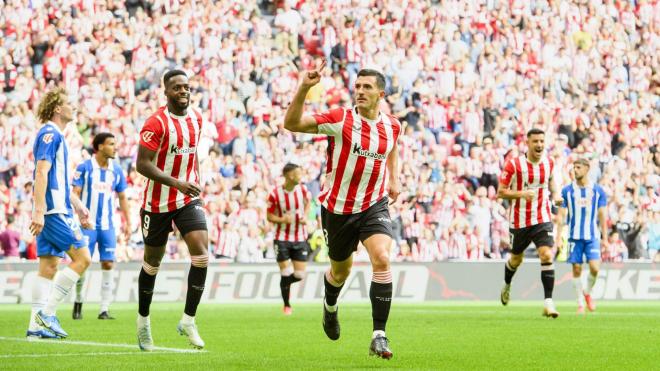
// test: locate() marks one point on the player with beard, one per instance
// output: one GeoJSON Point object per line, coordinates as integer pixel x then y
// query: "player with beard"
{"type": "Point", "coordinates": [167, 157]}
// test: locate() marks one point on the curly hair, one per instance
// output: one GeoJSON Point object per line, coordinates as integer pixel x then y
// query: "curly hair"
{"type": "Point", "coordinates": [50, 101]}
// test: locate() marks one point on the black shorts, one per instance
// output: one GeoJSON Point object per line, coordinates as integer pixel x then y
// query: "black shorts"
{"type": "Point", "coordinates": [343, 232]}
{"type": "Point", "coordinates": [541, 234]}
{"type": "Point", "coordinates": [297, 251]}
{"type": "Point", "coordinates": [156, 227]}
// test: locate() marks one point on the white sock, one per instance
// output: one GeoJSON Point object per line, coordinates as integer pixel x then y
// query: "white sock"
{"type": "Point", "coordinates": [330, 308]}
{"type": "Point", "coordinates": [106, 289]}
{"type": "Point", "coordinates": [143, 320]}
{"type": "Point", "coordinates": [61, 288]}
{"type": "Point", "coordinates": [577, 285]}
{"type": "Point", "coordinates": [378, 333]}
{"type": "Point", "coordinates": [40, 292]}
{"type": "Point", "coordinates": [187, 320]}
{"type": "Point", "coordinates": [79, 288]}
{"type": "Point", "coordinates": [591, 281]}
{"type": "Point", "coordinates": [548, 303]}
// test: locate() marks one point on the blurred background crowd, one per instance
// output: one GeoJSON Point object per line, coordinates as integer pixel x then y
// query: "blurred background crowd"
{"type": "Point", "coordinates": [468, 77]}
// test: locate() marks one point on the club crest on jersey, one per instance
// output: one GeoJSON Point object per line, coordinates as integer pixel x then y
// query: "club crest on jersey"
{"type": "Point", "coordinates": [358, 150]}
{"type": "Point", "coordinates": [147, 135]}
{"type": "Point", "coordinates": [181, 151]}
{"type": "Point", "coordinates": [47, 138]}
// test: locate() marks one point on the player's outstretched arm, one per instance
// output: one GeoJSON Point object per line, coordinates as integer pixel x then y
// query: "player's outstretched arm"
{"type": "Point", "coordinates": [294, 119]}
{"type": "Point", "coordinates": [146, 167]}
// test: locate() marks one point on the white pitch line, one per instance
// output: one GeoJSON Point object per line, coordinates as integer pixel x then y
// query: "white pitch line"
{"type": "Point", "coordinates": [42, 355]}
{"type": "Point", "coordinates": [94, 344]}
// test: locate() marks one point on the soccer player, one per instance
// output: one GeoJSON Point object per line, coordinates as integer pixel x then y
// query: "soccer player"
{"type": "Point", "coordinates": [94, 181]}
{"type": "Point", "coordinates": [52, 218]}
{"type": "Point", "coordinates": [167, 157]}
{"type": "Point", "coordinates": [288, 206]}
{"type": "Point", "coordinates": [362, 170]}
{"type": "Point", "coordinates": [528, 181]}
{"type": "Point", "coordinates": [582, 202]}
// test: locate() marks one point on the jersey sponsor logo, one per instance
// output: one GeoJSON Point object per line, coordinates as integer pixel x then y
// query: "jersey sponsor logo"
{"type": "Point", "coordinates": [102, 187]}
{"type": "Point", "coordinates": [582, 202]}
{"type": "Point", "coordinates": [47, 138]}
{"type": "Point", "coordinates": [358, 150]}
{"type": "Point", "coordinates": [147, 135]}
{"type": "Point", "coordinates": [181, 151]}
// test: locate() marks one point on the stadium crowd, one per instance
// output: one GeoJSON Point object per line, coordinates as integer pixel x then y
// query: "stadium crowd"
{"type": "Point", "coordinates": [468, 78]}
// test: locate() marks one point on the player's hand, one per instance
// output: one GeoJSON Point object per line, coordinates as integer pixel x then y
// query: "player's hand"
{"type": "Point", "coordinates": [303, 221]}
{"type": "Point", "coordinates": [288, 218]}
{"type": "Point", "coordinates": [559, 202]}
{"type": "Point", "coordinates": [37, 224]}
{"type": "Point", "coordinates": [188, 189]}
{"type": "Point", "coordinates": [127, 231]}
{"type": "Point", "coordinates": [528, 194]}
{"type": "Point", "coordinates": [312, 77]}
{"type": "Point", "coordinates": [393, 191]}
{"type": "Point", "coordinates": [83, 216]}
{"type": "Point", "coordinates": [604, 246]}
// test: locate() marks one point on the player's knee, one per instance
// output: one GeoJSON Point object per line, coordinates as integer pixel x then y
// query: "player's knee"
{"type": "Point", "coordinates": [381, 261]}
{"type": "Point", "coordinates": [340, 275]}
{"type": "Point", "coordinates": [299, 274]}
{"type": "Point", "coordinates": [515, 260]}
{"type": "Point", "coordinates": [577, 270]}
{"type": "Point", "coordinates": [107, 265]}
{"type": "Point", "coordinates": [149, 269]}
{"type": "Point", "coordinates": [83, 260]}
{"type": "Point", "coordinates": [199, 261]}
{"type": "Point", "coordinates": [546, 256]}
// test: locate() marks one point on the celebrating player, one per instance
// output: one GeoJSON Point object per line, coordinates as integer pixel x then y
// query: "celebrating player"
{"type": "Point", "coordinates": [288, 206]}
{"type": "Point", "coordinates": [584, 201]}
{"type": "Point", "coordinates": [52, 218]}
{"type": "Point", "coordinates": [167, 157]}
{"type": "Point", "coordinates": [528, 181]}
{"type": "Point", "coordinates": [362, 154]}
{"type": "Point", "coordinates": [96, 179]}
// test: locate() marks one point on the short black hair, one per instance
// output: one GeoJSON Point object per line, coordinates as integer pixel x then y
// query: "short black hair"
{"type": "Point", "coordinates": [535, 131]}
{"type": "Point", "coordinates": [289, 167]}
{"type": "Point", "coordinates": [380, 78]}
{"type": "Point", "coordinates": [172, 73]}
{"type": "Point", "coordinates": [100, 139]}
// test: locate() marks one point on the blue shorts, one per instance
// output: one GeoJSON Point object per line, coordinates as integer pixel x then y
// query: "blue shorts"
{"type": "Point", "coordinates": [579, 248]}
{"type": "Point", "coordinates": [60, 233]}
{"type": "Point", "coordinates": [106, 240]}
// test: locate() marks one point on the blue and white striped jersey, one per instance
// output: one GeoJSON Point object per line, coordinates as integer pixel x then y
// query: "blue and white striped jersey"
{"type": "Point", "coordinates": [50, 146]}
{"type": "Point", "coordinates": [97, 185]}
{"type": "Point", "coordinates": [583, 204]}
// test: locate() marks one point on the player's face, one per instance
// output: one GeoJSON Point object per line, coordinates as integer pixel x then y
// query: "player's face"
{"type": "Point", "coordinates": [580, 171]}
{"type": "Point", "coordinates": [66, 111]}
{"type": "Point", "coordinates": [536, 145]}
{"type": "Point", "coordinates": [367, 92]}
{"type": "Point", "coordinates": [178, 91]}
{"type": "Point", "coordinates": [108, 148]}
{"type": "Point", "coordinates": [294, 176]}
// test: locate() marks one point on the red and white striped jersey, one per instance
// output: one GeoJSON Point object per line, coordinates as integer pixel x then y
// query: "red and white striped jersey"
{"type": "Point", "coordinates": [281, 202]}
{"type": "Point", "coordinates": [357, 156]}
{"type": "Point", "coordinates": [521, 175]}
{"type": "Point", "coordinates": [174, 138]}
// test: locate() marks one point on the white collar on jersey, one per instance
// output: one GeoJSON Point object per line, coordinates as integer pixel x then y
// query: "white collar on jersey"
{"type": "Point", "coordinates": [95, 164]}
{"type": "Point", "coordinates": [177, 116]}
{"type": "Point", "coordinates": [54, 125]}
{"type": "Point", "coordinates": [380, 116]}
{"type": "Point", "coordinates": [543, 156]}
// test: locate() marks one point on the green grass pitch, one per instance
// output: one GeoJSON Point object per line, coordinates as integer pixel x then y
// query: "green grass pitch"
{"type": "Point", "coordinates": [620, 335]}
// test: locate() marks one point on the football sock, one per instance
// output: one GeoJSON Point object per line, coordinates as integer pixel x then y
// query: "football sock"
{"type": "Point", "coordinates": [285, 288]}
{"type": "Point", "coordinates": [79, 287]}
{"type": "Point", "coordinates": [40, 292]}
{"type": "Point", "coordinates": [332, 290]}
{"type": "Point", "coordinates": [577, 285]}
{"type": "Point", "coordinates": [106, 289]}
{"type": "Point", "coordinates": [380, 294]}
{"type": "Point", "coordinates": [61, 288]}
{"type": "Point", "coordinates": [196, 280]}
{"type": "Point", "coordinates": [591, 281]}
{"type": "Point", "coordinates": [509, 271]}
{"type": "Point", "coordinates": [146, 282]}
{"type": "Point", "coordinates": [548, 279]}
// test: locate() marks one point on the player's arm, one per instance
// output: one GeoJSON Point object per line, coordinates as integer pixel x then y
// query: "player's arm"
{"type": "Point", "coordinates": [504, 190]}
{"type": "Point", "coordinates": [294, 119]}
{"type": "Point", "coordinates": [554, 191]}
{"type": "Point", "coordinates": [147, 168]}
{"type": "Point", "coordinates": [284, 219]}
{"type": "Point", "coordinates": [81, 211]}
{"type": "Point", "coordinates": [561, 217]}
{"type": "Point", "coordinates": [602, 218]}
{"type": "Point", "coordinates": [394, 186]}
{"type": "Point", "coordinates": [40, 185]}
{"type": "Point", "coordinates": [125, 208]}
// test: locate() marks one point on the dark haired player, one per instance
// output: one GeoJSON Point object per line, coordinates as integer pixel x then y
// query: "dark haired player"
{"type": "Point", "coordinates": [94, 182]}
{"type": "Point", "coordinates": [288, 206]}
{"type": "Point", "coordinates": [362, 171]}
{"type": "Point", "coordinates": [167, 157]}
{"type": "Point", "coordinates": [529, 182]}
